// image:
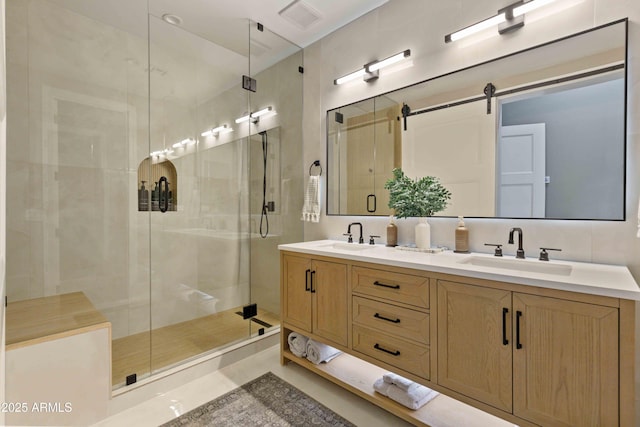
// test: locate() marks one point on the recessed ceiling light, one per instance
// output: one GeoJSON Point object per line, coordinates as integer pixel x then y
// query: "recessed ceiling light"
{"type": "Point", "coordinates": [172, 19]}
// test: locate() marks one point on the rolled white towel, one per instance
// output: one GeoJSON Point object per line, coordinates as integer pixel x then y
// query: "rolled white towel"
{"type": "Point", "coordinates": [400, 382]}
{"type": "Point", "coordinates": [414, 398]}
{"type": "Point", "coordinates": [298, 344]}
{"type": "Point", "coordinates": [318, 352]}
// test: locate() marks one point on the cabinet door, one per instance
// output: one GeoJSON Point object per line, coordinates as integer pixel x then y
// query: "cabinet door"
{"type": "Point", "coordinates": [330, 301]}
{"type": "Point", "coordinates": [296, 301]}
{"type": "Point", "coordinates": [566, 369]}
{"type": "Point", "coordinates": [474, 342]}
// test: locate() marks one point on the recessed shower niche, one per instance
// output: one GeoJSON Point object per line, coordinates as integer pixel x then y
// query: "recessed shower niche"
{"type": "Point", "coordinates": [157, 186]}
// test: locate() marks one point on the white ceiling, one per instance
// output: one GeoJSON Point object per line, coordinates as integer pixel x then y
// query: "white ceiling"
{"type": "Point", "coordinates": [224, 21]}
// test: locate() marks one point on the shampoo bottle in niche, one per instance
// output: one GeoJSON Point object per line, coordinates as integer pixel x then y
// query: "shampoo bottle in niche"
{"type": "Point", "coordinates": [143, 198]}
{"type": "Point", "coordinates": [462, 237]}
{"type": "Point", "coordinates": [392, 233]}
{"type": "Point", "coordinates": [155, 198]}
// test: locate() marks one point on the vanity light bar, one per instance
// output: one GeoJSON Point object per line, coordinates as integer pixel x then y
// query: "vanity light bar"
{"type": "Point", "coordinates": [475, 28]}
{"type": "Point", "coordinates": [389, 61]}
{"type": "Point", "coordinates": [369, 71]}
{"type": "Point", "coordinates": [529, 6]}
{"type": "Point", "coordinates": [344, 79]}
{"type": "Point", "coordinates": [255, 115]}
{"type": "Point", "coordinates": [506, 16]}
{"type": "Point", "coordinates": [216, 131]}
{"type": "Point", "coordinates": [183, 143]}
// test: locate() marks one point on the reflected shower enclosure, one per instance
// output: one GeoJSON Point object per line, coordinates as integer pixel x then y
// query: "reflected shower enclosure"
{"type": "Point", "coordinates": [97, 106]}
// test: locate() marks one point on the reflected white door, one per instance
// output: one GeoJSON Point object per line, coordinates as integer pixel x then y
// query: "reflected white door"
{"type": "Point", "coordinates": [521, 171]}
{"type": "Point", "coordinates": [457, 145]}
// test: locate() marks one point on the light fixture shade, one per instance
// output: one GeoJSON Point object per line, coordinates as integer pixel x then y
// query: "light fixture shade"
{"type": "Point", "coordinates": [255, 115]}
{"type": "Point", "coordinates": [352, 76]}
{"type": "Point", "coordinates": [261, 112]}
{"type": "Point", "coordinates": [529, 6]}
{"type": "Point", "coordinates": [389, 61]}
{"type": "Point", "coordinates": [215, 131]}
{"type": "Point", "coordinates": [475, 28]}
{"type": "Point", "coordinates": [243, 118]}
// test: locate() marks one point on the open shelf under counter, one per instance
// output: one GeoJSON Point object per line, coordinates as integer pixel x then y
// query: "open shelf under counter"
{"type": "Point", "coordinates": [358, 376]}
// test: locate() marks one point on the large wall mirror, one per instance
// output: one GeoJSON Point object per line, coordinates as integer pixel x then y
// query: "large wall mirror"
{"type": "Point", "coordinates": [537, 134]}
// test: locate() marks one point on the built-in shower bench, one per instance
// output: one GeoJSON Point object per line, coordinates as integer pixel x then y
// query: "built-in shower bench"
{"type": "Point", "coordinates": [58, 361]}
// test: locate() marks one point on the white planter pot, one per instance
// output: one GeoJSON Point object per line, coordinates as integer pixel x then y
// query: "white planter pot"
{"type": "Point", "coordinates": [423, 234]}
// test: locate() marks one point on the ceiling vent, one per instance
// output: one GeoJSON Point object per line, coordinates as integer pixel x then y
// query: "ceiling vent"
{"type": "Point", "coordinates": [300, 14]}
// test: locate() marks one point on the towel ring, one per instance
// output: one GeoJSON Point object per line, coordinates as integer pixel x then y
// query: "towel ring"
{"type": "Point", "coordinates": [315, 163]}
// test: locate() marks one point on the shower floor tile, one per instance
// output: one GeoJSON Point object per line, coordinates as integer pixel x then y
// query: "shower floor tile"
{"type": "Point", "coordinates": [164, 347]}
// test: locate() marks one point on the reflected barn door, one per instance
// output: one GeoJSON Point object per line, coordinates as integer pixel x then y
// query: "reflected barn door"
{"type": "Point", "coordinates": [521, 171]}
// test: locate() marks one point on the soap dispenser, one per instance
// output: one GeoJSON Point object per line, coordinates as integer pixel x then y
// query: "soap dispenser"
{"type": "Point", "coordinates": [392, 233]}
{"type": "Point", "coordinates": [462, 237]}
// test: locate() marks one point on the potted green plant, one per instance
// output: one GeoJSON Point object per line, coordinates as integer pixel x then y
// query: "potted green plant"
{"type": "Point", "coordinates": [421, 197]}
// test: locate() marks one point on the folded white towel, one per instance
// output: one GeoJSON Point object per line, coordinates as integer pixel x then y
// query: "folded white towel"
{"type": "Point", "coordinates": [298, 344]}
{"type": "Point", "coordinates": [414, 398]}
{"type": "Point", "coordinates": [395, 379]}
{"type": "Point", "coordinates": [311, 207]}
{"type": "Point", "coordinates": [382, 387]}
{"type": "Point", "coordinates": [318, 352]}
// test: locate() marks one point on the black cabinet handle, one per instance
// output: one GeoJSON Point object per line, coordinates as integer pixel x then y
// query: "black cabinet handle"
{"type": "Point", "coordinates": [376, 283]}
{"type": "Point", "coordinates": [306, 280]}
{"type": "Point", "coordinates": [378, 316]}
{"type": "Point", "coordinates": [164, 195]}
{"type": "Point", "coordinates": [375, 202]}
{"type": "Point", "coordinates": [505, 311]}
{"type": "Point", "coordinates": [313, 275]}
{"type": "Point", "coordinates": [518, 316]}
{"type": "Point", "coordinates": [393, 353]}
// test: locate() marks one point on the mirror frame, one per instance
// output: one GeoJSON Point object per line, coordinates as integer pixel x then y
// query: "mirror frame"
{"type": "Point", "coordinates": [624, 21]}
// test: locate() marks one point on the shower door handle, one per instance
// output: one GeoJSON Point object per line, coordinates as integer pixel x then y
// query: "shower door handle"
{"type": "Point", "coordinates": [164, 195]}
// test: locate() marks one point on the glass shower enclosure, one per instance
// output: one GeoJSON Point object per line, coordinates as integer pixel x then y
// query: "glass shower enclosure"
{"type": "Point", "coordinates": [143, 177]}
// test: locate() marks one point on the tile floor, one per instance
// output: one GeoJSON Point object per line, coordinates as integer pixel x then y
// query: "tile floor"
{"type": "Point", "coordinates": [175, 402]}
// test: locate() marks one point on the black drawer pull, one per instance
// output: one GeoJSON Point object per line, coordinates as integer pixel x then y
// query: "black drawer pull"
{"type": "Point", "coordinates": [306, 280]}
{"type": "Point", "coordinates": [505, 311]}
{"type": "Point", "coordinates": [393, 353]}
{"type": "Point", "coordinates": [518, 343]}
{"type": "Point", "coordinates": [378, 316]}
{"type": "Point", "coordinates": [384, 285]}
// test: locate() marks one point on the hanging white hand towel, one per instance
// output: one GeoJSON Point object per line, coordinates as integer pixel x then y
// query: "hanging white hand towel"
{"type": "Point", "coordinates": [311, 208]}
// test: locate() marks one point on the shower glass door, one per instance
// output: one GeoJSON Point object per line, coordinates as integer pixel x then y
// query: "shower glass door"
{"type": "Point", "coordinates": [197, 175]}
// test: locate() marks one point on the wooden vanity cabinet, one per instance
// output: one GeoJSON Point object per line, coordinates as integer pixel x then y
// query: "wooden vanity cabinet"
{"type": "Point", "coordinates": [473, 359]}
{"type": "Point", "coordinates": [565, 362]}
{"type": "Point", "coordinates": [532, 356]}
{"type": "Point", "coordinates": [550, 361]}
{"type": "Point", "coordinates": [315, 297]}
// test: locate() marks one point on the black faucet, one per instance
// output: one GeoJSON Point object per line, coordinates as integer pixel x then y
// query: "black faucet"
{"type": "Point", "coordinates": [520, 251]}
{"type": "Point", "coordinates": [361, 239]}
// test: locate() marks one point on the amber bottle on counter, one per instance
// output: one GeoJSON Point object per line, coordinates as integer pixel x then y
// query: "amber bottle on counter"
{"type": "Point", "coordinates": [392, 233]}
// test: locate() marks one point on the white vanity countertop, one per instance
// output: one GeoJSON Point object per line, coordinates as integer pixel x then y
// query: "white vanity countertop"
{"type": "Point", "coordinates": [596, 279]}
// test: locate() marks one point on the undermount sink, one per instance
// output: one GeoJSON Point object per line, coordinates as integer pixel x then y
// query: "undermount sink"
{"type": "Point", "coordinates": [350, 246]}
{"type": "Point", "coordinates": [531, 266]}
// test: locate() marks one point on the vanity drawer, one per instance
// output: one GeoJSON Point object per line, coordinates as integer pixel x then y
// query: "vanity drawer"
{"type": "Point", "coordinates": [413, 358]}
{"type": "Point", "coordinates": [394, 320]}
{"type": "Point", "coordinates": [404, 288]}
